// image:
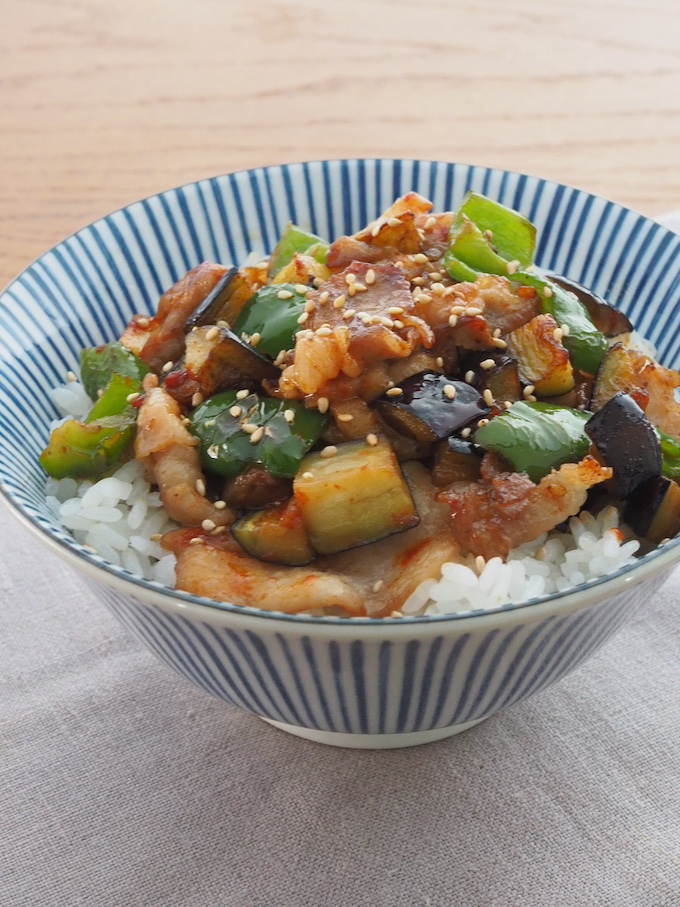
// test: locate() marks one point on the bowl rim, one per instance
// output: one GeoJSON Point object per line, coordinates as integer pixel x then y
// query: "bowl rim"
{"type": "Point", "coordinates": [203, 609]}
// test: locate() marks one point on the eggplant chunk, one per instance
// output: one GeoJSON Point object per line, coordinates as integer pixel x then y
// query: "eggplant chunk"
{"type": "Point", "coordinates": [502, 379]}
{"type": "Point", "coordinates": [357, 496]}
{"type": "Point", "coordinates": [209, 311]}
{"type": "Point", "coordinates": [542, 358]}
{"type": "Point", "coordinates": [608, 320]}
{"type": "Point", "coordinates": [626, 441]}
{"type": "Point", "coordinates": [431, 407]}
{"type": "Point", "coordinates": [456, 460]}
{"type": "Point", "coordinates": [653, 511]}
{"type": "Point", "coordinates": [256, 487]}
{"type": "Point", "coordinates": [276, 535]}
{"type": "Point", "coordinates": [216, 359]}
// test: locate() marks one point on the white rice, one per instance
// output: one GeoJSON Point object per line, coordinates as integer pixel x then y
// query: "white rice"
{"type": "Point", "coordinates": [555, 562]}
{"type": "Point", "coordinates": [120, 518]}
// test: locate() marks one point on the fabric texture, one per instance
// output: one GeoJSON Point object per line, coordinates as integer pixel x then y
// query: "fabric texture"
{"type": "Point", "coordinates": [123, 785]}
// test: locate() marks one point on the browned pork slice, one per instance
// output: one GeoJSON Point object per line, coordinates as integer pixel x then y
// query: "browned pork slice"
{"type": "Point", "coordinates": [360, 317]}
{"type": "Point", "coordinates": [370, 580]}
{"type": "Point", "coordinates": [169, 453]}
{"type": "Point", "coordinates": [161, 339]}
{"type": "Point", "coordinates": [506, 509]}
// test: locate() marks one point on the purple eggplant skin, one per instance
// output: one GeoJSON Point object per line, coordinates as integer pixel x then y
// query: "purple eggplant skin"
{"type": "Point", "coordinates": [432, 407]}
{"type": "Point", "coordinates": [626, 441]}
{"type": "Point", "coordinates": [653, 511]}
{"type": "Point", "coordinates": [608, 320]}
{"type": "Point", "coordinates": [208, 312]}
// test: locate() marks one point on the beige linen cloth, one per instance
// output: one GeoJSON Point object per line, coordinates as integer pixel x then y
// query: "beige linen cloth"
{"type": "Point", "coordinates": [121, 785]}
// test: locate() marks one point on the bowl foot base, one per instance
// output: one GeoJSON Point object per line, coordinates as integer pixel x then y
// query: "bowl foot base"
{"type": "Point", "coordinates": [373, 741]}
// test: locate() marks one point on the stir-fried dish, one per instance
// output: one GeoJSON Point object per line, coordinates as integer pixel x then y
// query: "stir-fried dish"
{"type": "Point", "coordinates": [330, 426]}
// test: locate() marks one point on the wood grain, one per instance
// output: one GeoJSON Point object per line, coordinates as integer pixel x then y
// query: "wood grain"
{"type": "Point", "coordinates": [102, 103]}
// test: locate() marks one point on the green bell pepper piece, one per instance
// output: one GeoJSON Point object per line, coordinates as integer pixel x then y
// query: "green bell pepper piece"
{"type": "Point", "coordinates": [273, 318]}
{"type": "Point", "coordinates": [92, 448]}
{"type": "Point", "coordinates": [295, 239]}
{"type": "Point", "coordinates": [227, 450]}
{"type": "Point", "coordinates": [485, 236]}
{"type": "Point", "coordinates": [585, 343]}
{"type": "Point", "coordinates": [536, 437]}
{"type": "Point", "coordinates": [99, 363]}
{"type": "Point", "coordinates": [670, 455]}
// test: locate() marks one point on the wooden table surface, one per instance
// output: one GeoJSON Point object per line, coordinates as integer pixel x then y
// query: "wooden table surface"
{"type": "Point", "coordinates": [105, 102]}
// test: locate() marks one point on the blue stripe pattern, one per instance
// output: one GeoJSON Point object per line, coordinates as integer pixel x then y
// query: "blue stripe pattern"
{"type": "Point", "coordinates": [84, 291]}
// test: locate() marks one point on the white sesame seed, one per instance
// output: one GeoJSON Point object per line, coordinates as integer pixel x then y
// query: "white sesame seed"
{"type": "Point", "coordinates": [208, 525]}
{"type": "Point", "coordinates": [450, 291]}
{"type": "Point", "coordinates": [450, 391]}
{"type": "Point", "coordinates": [143, 322]}
{"type": "Point", "coordinates": [547, 292]}
{"type": "Point", "coordinates": [301, 289]}
{"type": "Point", "coordinates": [323, 297]}
{"type": "Point", "coordinates": [323, 332]}
{"type": "Point", "coordinates": [307, 475]}
{"type": "Point", "coordinates": [255, 338]}
{"type": "Point", "coordinates": [360, 288]}
{"type": "Point", "coordinates": [349, 314]}
{"type": "Point", "coordinates": [223, 324]}
{"type": "Point", "coordinates": [437, 289]}
{"type": "Point", "coordinates": [322, 404]}
{"type": "Point", "coordinates": [218, 530]}
{"type": "Point", "coordinates": [372, 440]}
{"type": "Point", "coordinates": [507, 404]}
{"type": "Point", "coordinates": [480, 563]}
{"type": "Point", "coordinates": [318, 281]}
{"type": "Point", "coordinates": [422, 298]}
{"type": "Point", "coordinates": [133, 396]}
{"type": "Point", "coordinates": [328, 452]}
{"type": "Point", "coordinates": [387, 322]}
{"type": "Point", "coordinates": [310, 306]}
{"type": "Point", "coordinates": [351, 290]}
{"type": "Point", "coordinates": [200, 487]}
{"type": "Point", "coordinates": [469, 376]}
{"type": "Point", "coordinates": [249, 428]}
{"type": "Point", "coordinates": [487, 363]}
{"type": "Point", "coordinates": [488, 397]}
{"type": "Point", "coordinates": [303, 318]}
{"type": "Point", "coordinates": [430, 223]}
{"type": "Point", "coordinates": [557, 335]}
{"type": "Point", "coordinates": [512, 267]}
{"type": "Point", "coordinates": [369, 276]}
{"type": "Point", "coordinates": [398, 324]}
{"type": "Point", "coordinates": [466, 432]}
{"type": "Point", "coordinates": [257, 435]}
{"type": "Point", "coordinates": [482, 423]}
{"type": "Point", "coordinates": [185, 421]}
{"type": "Point", "coordinates": [420, 258]}
{"type": "Point", "coordinates": [531, 398]}
{"type": "Point", "coordinates": [235, 411]}
{"type": "Point", "coordinates": [339, 301]}
{"type": "Point", "coordinates": [167, 367]}
{"type": "Point", "coordinates": [197, 399]}
{"type": "Point", "coordinates": [197, 540]}
{"type": "Point", "coordinates": [393, 222]}
{"type": "Point", "coordinates": [473, 310]}
{"type": "Point", "coordinates": [496, 332]}
{"type": "Point", "coordinates": [220, 505]}
{"type": "Point", "coordinates": [344, 417]}
{"type": "Point", "coordinates": [156, 537]}
{"type": "Point", "coordinates": [488, 234]}
{"type": "Point", "coordinates": [376, 229]}
{"type": "Point", "coordinates": [289, 415]}
{"type": "Point", "coordinates": [453, 321]}
{"type": "Point", "coordinates": [499, 343]}
{"type": "Point", "coordinates": [528, 390]}
{"type": "Point", "coordinates": [378, 585]}
{"type": "Point", "coordinates": [457, 309]}
{"type": "Point", "coordinates": [394, 392]}
{"type": "Point", "coordinates": [417, 281]}
{"type": "Point", "coordinates": [565, 330]}
{"type": "Point", "coordinates": [350, 278]}
{"type": "Point", "coordinates": [242, 394]}
{"type": "Point", "coordinates": [395, 310]}
{"type": "Point", "coordinates": [284, 294]}
{"type": "Point", "coordinates": [439, 362]}
{"type": "Point", "coordinates": [213, 451]}
{"type": "Point", "coordinates": [212, 333]}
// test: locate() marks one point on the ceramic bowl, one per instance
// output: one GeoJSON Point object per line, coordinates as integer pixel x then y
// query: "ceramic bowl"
{"type": "Point", "coordinates": [362, 682]}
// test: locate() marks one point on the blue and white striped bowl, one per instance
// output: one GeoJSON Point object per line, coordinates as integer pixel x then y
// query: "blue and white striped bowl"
{"type": "Point", "coordinates": [361, 682]}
